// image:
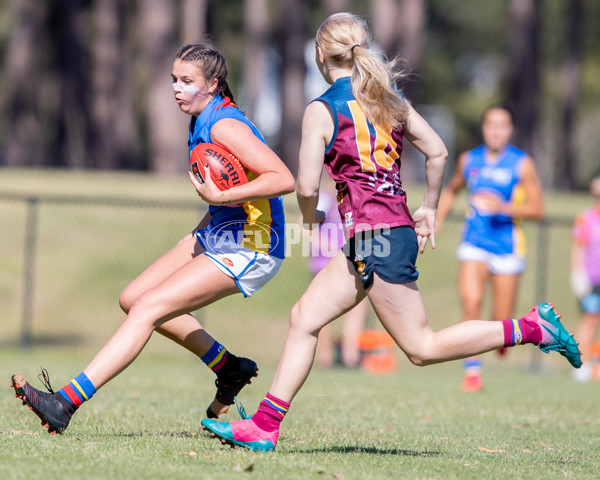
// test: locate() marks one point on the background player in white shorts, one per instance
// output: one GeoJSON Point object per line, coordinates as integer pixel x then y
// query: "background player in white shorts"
{"type": "Point", "coordinates": [502, 189]}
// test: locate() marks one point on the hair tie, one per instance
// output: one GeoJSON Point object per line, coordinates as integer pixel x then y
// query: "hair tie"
{"type": "Point", "coordinates": [353, 47]}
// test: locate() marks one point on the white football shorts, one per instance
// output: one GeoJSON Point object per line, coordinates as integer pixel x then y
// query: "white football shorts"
{"type": "Point", "coordinates": [509, 264]}
{"type": "Point", "coordinates": [251, 270]}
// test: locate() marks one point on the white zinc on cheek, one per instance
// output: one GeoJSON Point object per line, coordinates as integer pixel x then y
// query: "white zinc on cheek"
{"type": "Point", "coordinates": [180, 87]}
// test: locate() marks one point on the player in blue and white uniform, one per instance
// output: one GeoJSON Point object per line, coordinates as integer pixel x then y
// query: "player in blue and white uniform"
{"type": "Point", "coordinates": [236, 248]}
{"type": "Point", "coordinates": [502, 189]}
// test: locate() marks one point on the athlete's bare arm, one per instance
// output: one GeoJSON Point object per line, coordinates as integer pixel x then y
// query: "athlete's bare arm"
{"type": "Point", "coordinates": [424, 138]}
{"type": "Point", "coordinates": [317, 130]}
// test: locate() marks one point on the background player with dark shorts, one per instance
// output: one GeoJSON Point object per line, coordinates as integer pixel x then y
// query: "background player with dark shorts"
{"type": "Point", "coordinates": [356, 129]}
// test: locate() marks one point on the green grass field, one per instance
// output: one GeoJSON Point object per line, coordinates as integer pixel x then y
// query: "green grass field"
{"type": "Point", "coordinates": [531, 421]}
{"type": "Point", "coordinates": [413, 424]}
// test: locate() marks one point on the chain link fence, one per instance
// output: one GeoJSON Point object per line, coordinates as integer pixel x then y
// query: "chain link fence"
{"type": "Point", "coordinates": [65, 261]}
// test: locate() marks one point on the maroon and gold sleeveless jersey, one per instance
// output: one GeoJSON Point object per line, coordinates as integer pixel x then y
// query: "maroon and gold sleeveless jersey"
{"type": "Point", "coordinates": [364, 161]}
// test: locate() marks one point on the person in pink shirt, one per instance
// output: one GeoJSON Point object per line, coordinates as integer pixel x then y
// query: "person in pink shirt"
{"type": "Point", "coordinates": [585, 277]}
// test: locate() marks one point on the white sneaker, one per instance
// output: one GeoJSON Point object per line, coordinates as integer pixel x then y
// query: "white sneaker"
{"type": "Point", "coordinates": [583, 373]}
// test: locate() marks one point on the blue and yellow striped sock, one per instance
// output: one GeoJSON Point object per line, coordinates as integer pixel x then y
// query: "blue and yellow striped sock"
{"type": "Point", "coordinates": [216, 357]}
{"type": "Point", "coordinates": [79, 390]}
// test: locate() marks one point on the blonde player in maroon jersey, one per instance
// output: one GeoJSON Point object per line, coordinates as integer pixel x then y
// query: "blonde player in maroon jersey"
{"type": "Point", "coordinates": [356, 129]}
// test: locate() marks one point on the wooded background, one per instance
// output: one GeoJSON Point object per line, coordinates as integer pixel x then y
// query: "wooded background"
{"type": "Point", "coordinates": [85, 84]}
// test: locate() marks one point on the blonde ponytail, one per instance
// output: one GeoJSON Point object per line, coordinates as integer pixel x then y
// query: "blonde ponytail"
{"type": "Point", "coordinates": [345, 39]}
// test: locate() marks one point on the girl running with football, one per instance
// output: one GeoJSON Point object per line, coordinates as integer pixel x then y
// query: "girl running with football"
{"type": "Point", "coordinates": [236, 248]}
{"type": "Point", "coordinates": [356, 128]}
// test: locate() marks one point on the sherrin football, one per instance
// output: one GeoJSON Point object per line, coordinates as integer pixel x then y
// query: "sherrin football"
{"type": "Point", "coordinates": [225, 169]}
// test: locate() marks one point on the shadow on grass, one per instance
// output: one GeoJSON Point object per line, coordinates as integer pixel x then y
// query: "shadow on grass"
{"type": "Point", "coordinates": [367, 450]}
{"type": "Point", "coordinates": [343, 449]}
{"type": "Point", "coordinates": [289, 448]}
{"type": "Point", "coordinates": [152, 433]}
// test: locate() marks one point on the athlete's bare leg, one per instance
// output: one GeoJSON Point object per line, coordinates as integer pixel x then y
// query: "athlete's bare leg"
{"type": "Point", "coordinates": [400, 309]}
{"type": "Point", "coordinates": [196, 284]}
{"type": "Point", "coordinates": [333, 291]}
{"type": "Point", "coordinates": [184, 329]}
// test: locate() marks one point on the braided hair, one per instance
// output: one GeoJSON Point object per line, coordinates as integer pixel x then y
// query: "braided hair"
{"type": "Point", "coordinates": [211, 63]}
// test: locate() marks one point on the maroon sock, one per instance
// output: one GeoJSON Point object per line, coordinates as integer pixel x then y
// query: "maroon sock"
{"type": "Point", "coordinates": [270, 413]}
{"type": "Point", "coordinates": [532, 332]}
{"type": "Point", "coordinates": [518, 332]}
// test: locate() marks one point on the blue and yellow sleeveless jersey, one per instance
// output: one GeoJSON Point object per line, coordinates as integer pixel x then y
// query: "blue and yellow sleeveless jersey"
{"type": "Point", "coordinates": [499, 234]}
{"type": "Point", "coordinates": [258, 225]}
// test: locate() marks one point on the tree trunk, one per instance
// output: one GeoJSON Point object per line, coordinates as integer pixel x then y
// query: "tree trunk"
{"type": "Point", "coordinates": [255, 45]}
{"type": "Point", "coordinates": [115, 133]}
{"type": "Point", "coordinates": [294, 22]}
{"type": "Point", "coordinates": [571, 82]}
{"type": "Point", "coordinates": [398, 26]}
{"type": "Point", "coordinates": [166, 124]}
{"type": "Point", "coordinates": [194, 20]}
{"type": "Point", "coordinates": [336, 6]}
{"type": "Point", "coordinates": [23, 68]}
{"type": "Point", "coordinates": [411, 28]}
{"type": "Point", "coordinates": [384, 24]}
{"type": "Point", "coordinates": [524, 59]}
{"type": "Point", "coordinates": [71, 147]}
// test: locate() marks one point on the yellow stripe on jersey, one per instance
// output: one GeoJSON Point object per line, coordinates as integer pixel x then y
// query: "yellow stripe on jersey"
{"type": "Point", "coordinates": [363, 137]}
{"type": "Point", "coordinates": [519, 241]}
{"type": "Point", "coordinates": [257, 230]}
{"type": "Point", "coordinates": [518, 198]}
